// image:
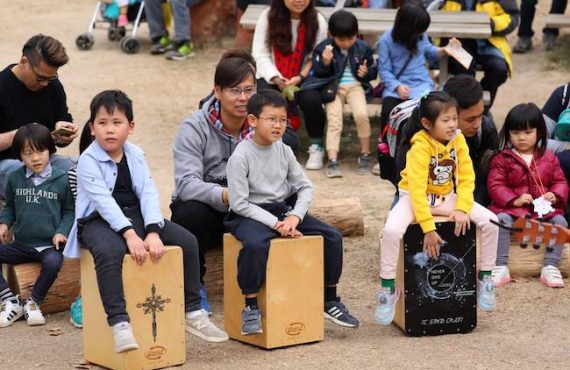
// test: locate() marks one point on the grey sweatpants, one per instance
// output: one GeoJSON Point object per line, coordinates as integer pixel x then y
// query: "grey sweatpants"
{"type": "Point", "coordinates": [550, 258]}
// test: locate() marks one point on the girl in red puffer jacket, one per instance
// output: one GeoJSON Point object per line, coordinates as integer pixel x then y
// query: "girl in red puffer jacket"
{"type": "Point", "coordinates": [522, 176]}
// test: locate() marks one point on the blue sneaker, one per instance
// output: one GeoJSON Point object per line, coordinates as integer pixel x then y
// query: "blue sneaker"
{"type": "Point", "coordinates": [76, 313]}
{"type": "Point", "coordinates": [385, 305]}
{"type": "Point", "coordinates": [486, 295]}
{"type": "Point", "coordinates": [251, 321]}
{"type": "Point", "coordinates": [204, 300]}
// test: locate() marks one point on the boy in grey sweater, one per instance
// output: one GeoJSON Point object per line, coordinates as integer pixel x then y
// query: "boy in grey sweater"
{"type": "Point", "coordinates": [264, 177]}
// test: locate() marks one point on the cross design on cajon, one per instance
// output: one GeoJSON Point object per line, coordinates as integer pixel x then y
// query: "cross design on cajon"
{"type": "Point", "coordinates": [153, 304]}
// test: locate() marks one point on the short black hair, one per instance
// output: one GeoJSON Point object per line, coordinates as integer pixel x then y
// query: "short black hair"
{"type": "Point", "coordinates": [343, 23]}
{"type": "Point", "coordinates": [231, 72]}
{"type": "Point", "coordinates": [41, 48]}
{"type": "Point", "coordinates": [265, 98]}
{"type": "Point", "coordinates": [466, 90]}
{"type": "Point", "coordinates": [111, 100]}
{"type": "Point", "coordinates": [37, 136]}
{"type": "Point", "coordinates": [525, 116]}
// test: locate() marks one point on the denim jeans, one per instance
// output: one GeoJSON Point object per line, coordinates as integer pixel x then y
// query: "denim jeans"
{"type": "Point", "coordinates": [180, 13]}
{"type": "Point", "coordinates": [9, 165]}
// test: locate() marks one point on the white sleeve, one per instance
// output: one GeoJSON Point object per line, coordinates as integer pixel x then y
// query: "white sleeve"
{"type": "Point", "coordinates": [263, 55]}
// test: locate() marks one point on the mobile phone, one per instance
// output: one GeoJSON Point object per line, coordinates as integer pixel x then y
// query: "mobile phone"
{"type": "Point", "coordinates": [63, 131]}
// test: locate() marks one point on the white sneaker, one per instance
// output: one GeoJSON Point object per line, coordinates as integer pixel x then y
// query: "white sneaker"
{"type": "Point", "coordinates": [202, 327]}
{"type": "Point", "coordinates": [124, 338]}
{"type": "Point", "coordinates": [33, 314]}
{"type": "Point", "coordinates": [551, 277]}
{"type": "Point", "coordinates": [501, 276]}
{"type": "Point", "coordinates": [10, 311]}
{"type": "Point", "coordinates": [316, 157]}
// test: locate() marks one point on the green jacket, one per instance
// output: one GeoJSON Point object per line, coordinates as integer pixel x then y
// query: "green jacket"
{"type": "Point", "coordinates": [38, 212]}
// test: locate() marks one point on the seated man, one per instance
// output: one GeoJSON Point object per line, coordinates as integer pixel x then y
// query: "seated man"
{"type": "Point", "coordinates": [30, 92]}
{"type": "Point", "coordinates": [494, 53]}
{"type": "Point", "coordinates": [558, 101]}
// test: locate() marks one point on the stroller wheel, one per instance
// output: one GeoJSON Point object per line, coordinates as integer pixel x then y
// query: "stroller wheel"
{"type": "Point", "coordinates": [114, 33]}
{"type": "Point", "coordinates": [129, 45]}
{"type": "Point", "coordinates": [84, 41]}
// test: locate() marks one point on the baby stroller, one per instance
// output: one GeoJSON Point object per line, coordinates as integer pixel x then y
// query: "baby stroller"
{"type": "Point", "coordinates": [106, 15]}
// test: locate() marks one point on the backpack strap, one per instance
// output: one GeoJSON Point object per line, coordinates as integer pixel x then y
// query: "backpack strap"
{"type": "Point", "coordinates": [410, 56]}
{"type": "Point", "coordinates": [566, 96]}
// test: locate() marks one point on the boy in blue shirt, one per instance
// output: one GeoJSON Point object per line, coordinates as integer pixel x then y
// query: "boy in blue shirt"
{"type": "Point", "coordinates": [39, 205]}
{"type": "Point", "coordinates": [263, 175]}
{"type": "Point", "coordinates": [117, 206]}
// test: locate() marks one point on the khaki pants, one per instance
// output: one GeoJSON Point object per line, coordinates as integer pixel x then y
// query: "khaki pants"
{"type": "Point", "coordinates": [353, 95]}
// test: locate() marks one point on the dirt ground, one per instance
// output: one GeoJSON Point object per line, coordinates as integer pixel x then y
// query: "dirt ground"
{"type": "Point", "coordinates": [529, 329]}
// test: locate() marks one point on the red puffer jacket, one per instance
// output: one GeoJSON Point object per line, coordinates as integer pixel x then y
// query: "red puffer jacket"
{"type": "Point", "coordinates": [510, 177]}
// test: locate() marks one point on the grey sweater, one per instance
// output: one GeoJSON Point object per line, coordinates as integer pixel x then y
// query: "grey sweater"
{"type": "Point", "coordinates": [266, 174]}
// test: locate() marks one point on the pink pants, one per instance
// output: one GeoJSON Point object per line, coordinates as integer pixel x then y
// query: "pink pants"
{"type": "Point", "coordinates": [402, 215]}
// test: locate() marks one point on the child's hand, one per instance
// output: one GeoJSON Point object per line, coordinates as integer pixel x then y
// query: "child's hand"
{"type": "Point", "coordinates": [454, 43]}
{"type": "Point", "coordinates": [136, 246]}
{"type": "Point", "coordinates": [432, 241]}
{"type": "Point", "coordinates": [363, 69]}
{"type": "Point", "coordinates": [523, 200]}
{"type": "Point", "coordinates": [290, 224]}
{"type": "Point", "coordinates": [403, 91]}
{"type": "Point", "coordinates": [462, 223]}
{"type": "Point", "coordinates": [550, 197]}
{"type": "Point", "coordinates": [58, 239]}
{"type": "Point", "coordinates": [328, 55]}
{"type": "Point", "coordinates": [154, 246]}
{"type": "Point", "coordinates": [3, 233]}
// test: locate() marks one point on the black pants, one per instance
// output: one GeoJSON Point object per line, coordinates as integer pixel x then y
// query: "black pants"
{"type": "Point", "coordinates": [528, 8]}
{"type": "Point", "coordinates": [388, 103]}
{"type": "Point", "coordinates": [256, 238]}
{"type": "Point", "coordinates": [109, 248]}
{"type": "Point", "coordinates": [51, 260]}
{"type": "Point", "coordinates": [314, 113]}
{"type": "Point", "coordinates": [204, 222]}
{"type": "Point", "coordinates": [495, 69]}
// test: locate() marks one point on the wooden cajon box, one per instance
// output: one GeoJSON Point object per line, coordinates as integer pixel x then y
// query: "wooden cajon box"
{"type": "Point", "coordinates": [155, 303]}
{"type": "Point", "coordinates": [21, 279]}
{"type": "Point", "coordinates": [438, 296]}
{"type": "Point", "coordinates": [291, 300]}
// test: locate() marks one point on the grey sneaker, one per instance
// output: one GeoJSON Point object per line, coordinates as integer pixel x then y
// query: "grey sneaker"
{"type": "Point", "coordinates": [161, 46]}
{"type": "Point", "coordinates": [251, 321]}
{"type": "Point", "coordinates": [124, 338]}
{"type": "Point", "coordinates": [183, 52]}
{"type": "Point", "coordinates": [523, 45]}
{"type": "Point", "coordinates": [364, 163]}
{"type": "Point", "coordinates": [549, 41]}
{"type": "Point", "coordinates": [333, 169]}
{"type": "Point", "coordinates": [202, 327]}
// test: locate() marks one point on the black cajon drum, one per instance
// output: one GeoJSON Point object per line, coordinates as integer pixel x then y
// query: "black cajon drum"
{"type": "Point", "coordinates": [438, 296]}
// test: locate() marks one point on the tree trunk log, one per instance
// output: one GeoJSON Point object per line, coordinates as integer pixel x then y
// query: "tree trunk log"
{"type": "Point", "coordinates": [528, 262]}
{"type": "Point", "coordinates": [344, 214]}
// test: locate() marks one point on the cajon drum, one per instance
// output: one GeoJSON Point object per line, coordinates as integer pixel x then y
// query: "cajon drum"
{"type": "Point", "coordinates": [438, 296]}
{"type": "Point", "coordinates": [21, 279]}
{"type": "Point", "coordinates": [155, 303]}
{"type": "Point", "coordinates": [291, 300]}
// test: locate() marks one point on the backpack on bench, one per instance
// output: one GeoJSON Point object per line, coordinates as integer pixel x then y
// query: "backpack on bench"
{"type": "Point", "coordinates": [562, 129]}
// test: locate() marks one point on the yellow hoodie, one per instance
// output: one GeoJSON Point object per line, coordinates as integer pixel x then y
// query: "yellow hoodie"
{"type": "Point", "coordinates": [430, 170]}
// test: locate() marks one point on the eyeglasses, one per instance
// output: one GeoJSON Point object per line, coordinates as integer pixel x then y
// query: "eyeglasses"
{"type": "Point", "coordinates": [235, 92]}
{"type": "Point", "coordinates": [42, 78]}
{"type": "Point", "coordinates": [273, 120]}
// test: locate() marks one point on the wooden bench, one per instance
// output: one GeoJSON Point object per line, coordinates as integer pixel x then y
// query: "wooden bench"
{"type": "Point", "coordinates": [557, 21]}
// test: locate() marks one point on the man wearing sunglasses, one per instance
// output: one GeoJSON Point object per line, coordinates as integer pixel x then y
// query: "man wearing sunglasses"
{"type": "Point", "coordinates": [30, 92]}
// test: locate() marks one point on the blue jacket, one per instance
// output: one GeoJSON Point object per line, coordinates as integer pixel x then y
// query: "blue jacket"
{"type": "Point", "coordinates": [321, 75]}
{"type": "Point", "coordinates": [393, 57]}
{"type": "Point", "coordinates": [96, 177]}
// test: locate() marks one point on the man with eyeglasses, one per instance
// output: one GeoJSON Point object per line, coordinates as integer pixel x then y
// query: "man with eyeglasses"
{"type": "Point", "coordinates": [30, 92]}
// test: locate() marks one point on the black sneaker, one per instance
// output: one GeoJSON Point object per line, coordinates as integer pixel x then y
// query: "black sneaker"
{"type": "Point", "coordinates": [364, 162]}
{"type": "Point", "coordinates": [333, 169]}
{"type": "Point", "coordinates": [336, 312]}
{"type": "Point", "coordinates": [251, 321]}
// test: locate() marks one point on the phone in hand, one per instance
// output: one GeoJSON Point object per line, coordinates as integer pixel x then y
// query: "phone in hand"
{"type": "Point", "coordinates": [63, 131]}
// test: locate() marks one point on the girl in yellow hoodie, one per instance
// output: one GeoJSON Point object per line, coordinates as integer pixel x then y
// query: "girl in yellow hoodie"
{"type": "Point", "coordinates": [437, 157]}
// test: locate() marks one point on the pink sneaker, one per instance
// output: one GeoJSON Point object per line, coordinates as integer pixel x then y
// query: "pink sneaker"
{"type": "Point", "coordinates": [123, 21]}
{"type": "Point", "coordinates": [551, 277]}
{"type": "Point", "coordinates": [501, 276]}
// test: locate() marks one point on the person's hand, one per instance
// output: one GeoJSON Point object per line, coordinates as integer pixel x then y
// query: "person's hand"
{"type": "Point", "coordinates": [293, 81]}
{"type": "Point", "coordinates": [462, 223]}
{"type": "Point", "coordinates": [523, 200]}
{"type": "Point", "coordinates": [363, 69]}
{"type": "Point", "coordinates": [403, 91]}
{"type": "Point", "coordinates": [432, 241]}
{"type": "Point", "coordinates": [289, 228]}
{"type": "Point", "coordinates": [65, 139]}
{"type": "Point", "coordinates": [279, 82]}
{"type": "Point", "coordinates": [550, 197]}
{"type": "Point", "coordinates": [225, 196]}
{"type": "Point", "coordinates": [3, 233]}
{"type": "Point", "coordinates": [135, 245]}
{"type": "Point", "coordinates": [328, 55]}
{"type": "Point", "coordinates": [154, 246]}
{"type": "Point", "coordinates": [58, 239]}
{"type": "Point", "coordinates": [454, 43]}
